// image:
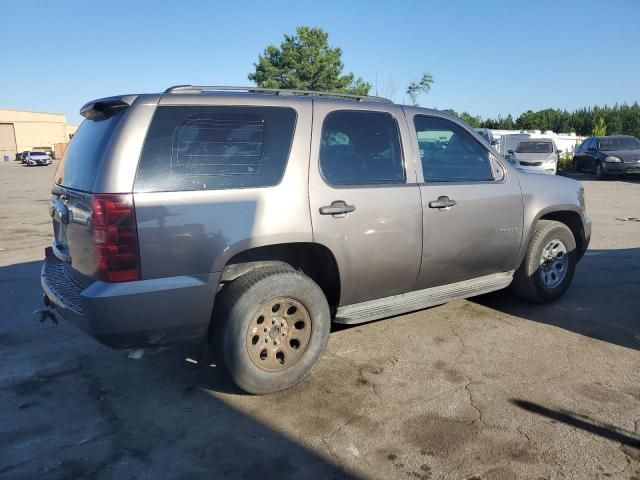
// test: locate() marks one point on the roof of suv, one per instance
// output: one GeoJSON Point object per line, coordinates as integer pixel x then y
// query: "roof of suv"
{"type": "Point", "coordinates": [97, 108]}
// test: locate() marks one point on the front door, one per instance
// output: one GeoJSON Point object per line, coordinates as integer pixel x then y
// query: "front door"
{"type": "Point", "coordinates": [472, 204]}
{"type": "Point", "coordinates": [364, 200]}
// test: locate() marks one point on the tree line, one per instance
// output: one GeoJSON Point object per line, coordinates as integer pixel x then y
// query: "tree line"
{"type": "Point", "coordinates": [616, 120]}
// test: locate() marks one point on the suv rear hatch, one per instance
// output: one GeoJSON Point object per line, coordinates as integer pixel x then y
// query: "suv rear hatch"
{"type": "Point", "coordinates": [94, 233]}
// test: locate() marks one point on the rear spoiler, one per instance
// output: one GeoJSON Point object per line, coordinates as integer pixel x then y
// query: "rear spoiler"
{"type": "Point", "coordinates": [106, 107]}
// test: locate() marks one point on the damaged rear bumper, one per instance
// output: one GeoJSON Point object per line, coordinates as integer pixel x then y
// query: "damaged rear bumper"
{"type": "Point", "coordinates": [144, 313]}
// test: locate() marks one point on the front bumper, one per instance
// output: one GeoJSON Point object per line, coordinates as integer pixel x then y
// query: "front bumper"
{"type": "Point", "coordinates": [550, 169]}
{"type": "Point", "coordinates": [620, 168]}
{"type": "Point", "coordinates": [154, 312]}
{"type": "Point", "coordinates": [586, 225]}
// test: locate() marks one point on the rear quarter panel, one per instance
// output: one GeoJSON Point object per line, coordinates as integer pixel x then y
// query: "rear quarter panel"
{"type": "Point", "coordinates": [193, 232]}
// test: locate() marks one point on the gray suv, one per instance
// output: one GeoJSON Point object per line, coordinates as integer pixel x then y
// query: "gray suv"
{"type": "Point", "coordinates": [253, 218]}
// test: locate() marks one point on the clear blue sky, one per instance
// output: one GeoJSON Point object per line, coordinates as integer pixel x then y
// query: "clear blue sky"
{"type": "Point", "coordinates": [487, 57]}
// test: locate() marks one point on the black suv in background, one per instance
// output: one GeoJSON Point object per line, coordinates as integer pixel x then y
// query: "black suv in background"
{"type": "Point", "coordinates": [604, 156]}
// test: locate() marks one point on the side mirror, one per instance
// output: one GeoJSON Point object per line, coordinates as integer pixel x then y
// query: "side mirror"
{"type": "Point", "coordinates": [560, 152]}
{"type": "Point", "coordinates": [510, 152]}
{"type": "Point", "coordinates": [494, 142]}
{"type": "Point", "coordinates": [591, 149]}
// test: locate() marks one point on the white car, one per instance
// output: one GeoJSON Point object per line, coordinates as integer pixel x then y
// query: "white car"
{"type": "Point", "coordinates": [536, 154]}
{"type": "Point", "coordinates": [33, 159]}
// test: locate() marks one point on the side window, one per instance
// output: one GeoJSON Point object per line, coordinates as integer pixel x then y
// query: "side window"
{"type": "Point", "coordinates": [449, 153]}
{"type": "Point", "coordinates": [361, 148]}
{"type": "Point", "coordinates": [585, 145]}
{"type": "Point", "coordinates": [215, 147]}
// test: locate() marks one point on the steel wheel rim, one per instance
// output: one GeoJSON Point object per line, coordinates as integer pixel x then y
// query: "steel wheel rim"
{"type": "Point", "coordinates": [554, 263]}
{"type": "Point", "coordinates": [279, 334]}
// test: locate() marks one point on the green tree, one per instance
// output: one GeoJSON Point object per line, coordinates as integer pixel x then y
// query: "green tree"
{"type": "Point", "coordinates": [305, 61]}
{"type": "Point", "coordinates": [599, 128]}
{"type": "Point", "coordinates": [423, 86]}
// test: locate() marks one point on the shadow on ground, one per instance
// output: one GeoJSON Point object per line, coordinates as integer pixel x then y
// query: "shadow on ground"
{"type": "Point", "coordinates": [603, 301]}
{"type": "Point", "coordinates": [600, 429]}
{"type": "Point", "coordinates": [68, 411]}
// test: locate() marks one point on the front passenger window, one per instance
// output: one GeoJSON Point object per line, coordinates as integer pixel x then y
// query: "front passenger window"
{"type": "Point", "coordinates": [449, 153]}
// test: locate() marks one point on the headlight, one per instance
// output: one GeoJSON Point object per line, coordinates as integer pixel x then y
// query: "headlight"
{"type": "Point", "coordinates": [612, 159]}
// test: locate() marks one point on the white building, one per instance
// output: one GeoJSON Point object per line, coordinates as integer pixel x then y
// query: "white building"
{"type": "Point", "coordinates": [22, 130]}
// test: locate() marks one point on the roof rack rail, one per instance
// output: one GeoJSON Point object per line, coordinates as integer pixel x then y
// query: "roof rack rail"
{"type": "Point", "coordinates": [274, 91]}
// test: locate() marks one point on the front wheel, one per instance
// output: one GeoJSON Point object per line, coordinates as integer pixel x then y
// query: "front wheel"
{"type": "Point", "coordinates": [599, 173]}
{"type": "Point", "coordinates": [272, 326]}
{"type": "Point", "coordinates": [549, 264]}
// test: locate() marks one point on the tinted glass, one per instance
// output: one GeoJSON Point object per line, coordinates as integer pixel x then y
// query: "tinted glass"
{"type": "Point", "coordinates": [619, 143]}
{"type": "Point", "coordinates": [534, 147]}
{"type": "Point", "coordinates": [361, 148]}
{"type": "Point", "coordinates": [206, 148]}
{"type": "Point", "coordinates": [449, 153]}
{"type": "Point", "coordinates": [82, 158]}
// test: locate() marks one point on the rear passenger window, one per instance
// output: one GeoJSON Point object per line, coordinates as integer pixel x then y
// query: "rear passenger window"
{"type": "Point", "coordinates": [449, 153]}
{"type": "Point", "coordinates": [206, 148]}
{"type": "Point", "coordinates": [361, 148]}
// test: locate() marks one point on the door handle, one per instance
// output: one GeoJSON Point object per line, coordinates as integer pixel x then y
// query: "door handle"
{"type": "Point", "coordinates": [338, 209]}
{"type": "Point", "coordinates": [442, 202]}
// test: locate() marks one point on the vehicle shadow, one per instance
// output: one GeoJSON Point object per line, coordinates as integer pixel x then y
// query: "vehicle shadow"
{"type": "Point", "coordinates": [603, 301]}
{"type": "Point", "coordinates": [603, 430]}
{"type": "Point", "coordinates": [75, 409]}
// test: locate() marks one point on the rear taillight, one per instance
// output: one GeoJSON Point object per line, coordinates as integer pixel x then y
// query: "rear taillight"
{"type": "Point", "coordinates": [115, 238]}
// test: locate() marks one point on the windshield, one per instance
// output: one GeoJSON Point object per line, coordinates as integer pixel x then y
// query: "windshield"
{"type": "Point", "coordinates": [620, 143]}
{"type": "Point", "coordinates": [38, 153]}
{"type": "Point", "coordinates": [534, 147]}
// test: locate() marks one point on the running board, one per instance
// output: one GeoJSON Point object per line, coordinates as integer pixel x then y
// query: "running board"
{"type": "Point", "coordinates": [429, 297]}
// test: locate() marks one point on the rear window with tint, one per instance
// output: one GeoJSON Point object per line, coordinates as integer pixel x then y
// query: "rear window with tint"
{"type": "Point", "coordinates": [206, 148]}
{"type": "Point", "coordinates": [81, 160]}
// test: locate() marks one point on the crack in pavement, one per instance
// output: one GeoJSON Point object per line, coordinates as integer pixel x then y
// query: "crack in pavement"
{"type": "Point", "coordinates": [525, 435]}
{"type": "Point", "coordinates": [472, 402]}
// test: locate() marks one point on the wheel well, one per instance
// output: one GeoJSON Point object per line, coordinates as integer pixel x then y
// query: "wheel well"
{"type": "Point", "coordinates": [574, 222]}
{"type": "Point", "coordinates": [314, 260]}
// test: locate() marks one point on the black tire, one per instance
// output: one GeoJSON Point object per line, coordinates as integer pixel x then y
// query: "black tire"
{"type": "Point", "coordinates": [236, 308]}
{"type": "Point", "coordinates": [599, 172]}
{"type": "Point", "coordinates": [528, 282]}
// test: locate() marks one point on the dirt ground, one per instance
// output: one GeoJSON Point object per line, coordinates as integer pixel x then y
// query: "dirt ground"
{"type": "Point", "coordinates": [489, 388]}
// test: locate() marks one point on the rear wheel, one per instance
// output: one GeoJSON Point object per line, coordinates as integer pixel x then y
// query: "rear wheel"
{"type": "Point", "coordinates": [549, 264]}
{"type": "Point", "coordinates": [273, 326]}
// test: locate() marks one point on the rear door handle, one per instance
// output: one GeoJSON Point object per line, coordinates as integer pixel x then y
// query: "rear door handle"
{"type": "Point", "coordinates": [338, 209]}
{"type": "Point", "coordinates": [442, 202]}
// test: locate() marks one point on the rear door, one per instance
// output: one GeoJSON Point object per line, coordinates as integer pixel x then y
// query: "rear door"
{"type": "Point", "coordinates": [472, 204]}
{"type": "Point", "coordinates": [365, 203]}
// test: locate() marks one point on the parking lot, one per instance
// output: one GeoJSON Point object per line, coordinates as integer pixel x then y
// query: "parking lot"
{"type": "Point", "coordinates": [489, 388]}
